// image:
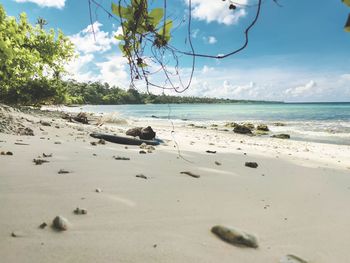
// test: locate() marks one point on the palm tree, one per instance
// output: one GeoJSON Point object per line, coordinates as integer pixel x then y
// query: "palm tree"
{"type": "Point", "coordinates": [41, 22]}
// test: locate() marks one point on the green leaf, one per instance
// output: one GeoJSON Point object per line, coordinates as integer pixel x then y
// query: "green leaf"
{"type": "Point", "coordinates": [121, 11]}
{"type": "Point", "coordinates": [119, 37]}
{"type": "Point", "coordinates": [156, 16]}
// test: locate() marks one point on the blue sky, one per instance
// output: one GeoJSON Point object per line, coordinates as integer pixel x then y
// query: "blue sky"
{"type": "Point", "coordinates": [297, 52]}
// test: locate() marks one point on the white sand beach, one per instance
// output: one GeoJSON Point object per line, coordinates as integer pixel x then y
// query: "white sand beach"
{"type": "Point", "coordinates": [296, 201]}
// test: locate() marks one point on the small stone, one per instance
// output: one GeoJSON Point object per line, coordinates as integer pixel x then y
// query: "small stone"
{"type": "Point", "coordinates": [60, 223]}
{"type": "Point", "coordinates": [47, 155]}
{"type": "Point", "coordinates": [80, 211]}
{"type": "Point", "coordinates": [142, 176]}
{"type": "Point", "coordinates": [17, 234]}
{"type": "Point", "coordinates": [93, 143]}
{"type": "Point", "coordinates": [9, 153]}
{"type": "Point", "coordinates": [143, 146]}
{"type": "Point", "coordinates": [43, 225]}
{"type": "Point", "coordinates": [39, 161]}
{"type": "Point", "coordinates": [217, 163]}
{"type": "Point", "coordinates": [142, 152]}
{"type": "Point", "coordinates": [251, 164]}
{"type": "Point", "coordinates": [45, 123]}
{"type": "Point", "coordinates": [98, 190]}
{"type": "Point", "coordinates": [235, 236]}
{"type": "Point", "coordinates": [101, 141]}
{"type": "Point", "coordinates": [58, 143]}
{"type": "Point", "coordinates": [62, 171]}
{"type": "Point", "coordinates": [292, 259]}
{"type": "Point", "coordinates": [121, 158]}
{"type": "Point", "coordinates": [262, 127]}
{"type": "Point", "coordinates": [210, 151]}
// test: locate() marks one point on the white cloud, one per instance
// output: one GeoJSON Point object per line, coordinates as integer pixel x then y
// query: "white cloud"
{"type": "Point", "coordinates": [45, 3]}
{"type": "Point", "coordinates": [212, 40]}
{"type": "Point", "coordinates": [218, 11]}
{"type": "Point", "coordinates": [77, 68]}
{"type": "Point", "coordinates": [93, 39]}
{"type": "Point", "coordinates": [302, 90]}
{"type": "Point", "coordinates": [114, 71]}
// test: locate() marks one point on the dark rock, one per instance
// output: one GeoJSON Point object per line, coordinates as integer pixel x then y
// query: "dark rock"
{"type": "Point", "coordinates": [241, 129]}
{"type": "Point", "coordinates": [47, 155]}
{"type": "Point", "coordinates": [210, 151]}
{"type": "Point", "coordinates": [249, 125]}
{"type": "Point", "coordinates": [9, 153]}
{"type": "Point", "coordinates": [262, 127]}
{"type": "Point", "coordinates": [26, 131]}
{"type": "Point", "coordinates": [62, 171]}
{"type": "Point", "coordinates": [121, 158]}
{"type": "Point", "coordinates": [43, 225]}
{"type": "Point", "coordinates": [60, 223]}
{"type": "Point", "coordinates": [147, 133]}
{"type": "Point", "coordinates": [251, 164]}
{"type": "Point", "coordinates": [281, 136]}
{"type": "Point", "coordinates": [142, 152]}
{"type": "Point", "coordinates": [101, 141]}
{"type": "Point", "coordinates": [134, 131]}
{"type": "Point", "coordinates": [45, 123]}
{"type": "Point", "coordinates": [231, 125]}
{"type": "Point", "coordinates": [80, 211]}
{"type": "Point", "coordinates": [235, 236]}
{"type": "Point", "coordinates": [217, 163]}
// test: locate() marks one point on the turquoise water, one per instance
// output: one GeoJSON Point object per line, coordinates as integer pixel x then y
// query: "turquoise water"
{"type": "Point", "coordinates": [321, 122]}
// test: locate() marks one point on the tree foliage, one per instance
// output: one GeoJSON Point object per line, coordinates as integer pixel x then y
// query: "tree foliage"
{"type": "Point", "coordinates": [30, 59]}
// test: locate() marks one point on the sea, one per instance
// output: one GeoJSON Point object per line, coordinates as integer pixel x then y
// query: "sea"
{"type": "Point", "coordinates": [317, 122]}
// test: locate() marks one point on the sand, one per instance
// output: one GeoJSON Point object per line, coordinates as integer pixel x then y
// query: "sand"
{"type": "Point", "coordinates": [295, 202]}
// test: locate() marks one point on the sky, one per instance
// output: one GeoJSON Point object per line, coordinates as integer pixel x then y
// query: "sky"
{"type": "Point", "coordinates": [298, 51]}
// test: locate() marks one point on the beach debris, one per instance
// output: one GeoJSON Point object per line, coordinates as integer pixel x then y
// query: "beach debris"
{"type": "Point", "coordinates": [217, 163]}
{"type": "Point", "coordinates": [208, 151]}
{"type": "Point", "coordinates": [251, 164]}
{"type": "Point", "coordinates": [262, 127]}
{"type": "Point", "coordinates": [60, 223]}
{"type": "Point", "coordinates": [39, 161]}
{"type": "Point", "coordinates": [121, 158]}
{"type": "Point", "coordinates": [142, 152]}
{"type": "Point", "coordinates": [57, 142]}
{"type": "Point", "coordinates": [62, 171]}
{"type": "Point", "coordinates": [144, 133]}
{"type": "Point", "coordinates": [235, 237]}
{"type": "Point", "coordinates": [93, 143]}
{"type": "Point", "coordinates": [190, 174]}
{"type": "Point", "coordinates": [47, 155]}
{"type": "Point", "coordinates": [101, 141]}
{"type": "Point", "coordinates": [45, 123]}
{"type": "Point", "coordinates": [6, 153]}
{"type": "Point", "coordinates": [98, 190]}
{"type": "Point", "coordinates": [141, 176]}
{"type": "Point", "coordinates": [147, 133]}
{"type": "Point", "coordinates": [82, 118]}
{"type": "Point", "coordinates": [242, 129]}
{"type": "Point", "coordinates": [80, 211]}
{"type": "Point", "coordinates": [94, 154]}
{"type": "Point", "coordinates": [21, 143]}
{"type": "Point", "coordinates": [292, 259]}
{"type": "Point", "coordinates": [26, 131]}
{"type": "Point", "coordinates": [281, 136]}
{"type": "Point", "coordinates": [43, 225]}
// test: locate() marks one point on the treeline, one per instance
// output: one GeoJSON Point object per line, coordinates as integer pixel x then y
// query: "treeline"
{"type": "Point", "coordinates": [98, 93]}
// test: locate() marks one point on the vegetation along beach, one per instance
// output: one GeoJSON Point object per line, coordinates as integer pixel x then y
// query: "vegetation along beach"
{"type": "Point", "coordinates": [174, 131]}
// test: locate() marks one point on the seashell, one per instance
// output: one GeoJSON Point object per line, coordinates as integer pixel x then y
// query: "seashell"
{"type": "Point", "coordinates": [60, 223]}
{"type": "Point", "coordinates": [235, 236]}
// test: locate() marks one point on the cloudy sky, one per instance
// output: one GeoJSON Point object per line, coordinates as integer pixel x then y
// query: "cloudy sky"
{"type": "Point", "coordinates": [297, 52]}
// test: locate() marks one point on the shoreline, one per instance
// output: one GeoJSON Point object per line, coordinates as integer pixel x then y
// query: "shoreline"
{"type": "Point", "coordinates": [294, 201]}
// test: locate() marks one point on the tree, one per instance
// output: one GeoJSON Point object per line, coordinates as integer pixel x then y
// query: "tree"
{"type": "Point", "coordinates": [41, 22]}
{"type": "Point", "coordinates": [29, 56]}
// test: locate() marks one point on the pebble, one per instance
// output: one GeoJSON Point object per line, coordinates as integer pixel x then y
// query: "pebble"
{"type": "Point", "coordinates": [62, 171]}
{"type": "Point", "coordinates": [292, 259]}
{"type": "Point", "coordinates": [39, 161]}
{"type": "Point", "coordinates": [142, 152]}
{"type": "Point", "coordinates": [142, 176]}
{"type": "Point", "coordinates": [98, 190]}
{"type": "Point", "coordinates": [80, 211]}
{"type": "Point", "coordinates": [235, 237]}
{"type": "Point", "coordinates": [217, 163]}
{"type": "Point", "coordinates": [43, 225]}
{"type": "Point", "coordinates": [251, 164]}
{"type": "Point", "coordinates": [60, 223]}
